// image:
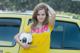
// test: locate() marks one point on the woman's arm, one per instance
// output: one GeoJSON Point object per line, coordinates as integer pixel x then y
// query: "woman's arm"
{"type": "Point", "coordinates": [52, 15]}
{"type": "Point", "coordinates": [19, 42]}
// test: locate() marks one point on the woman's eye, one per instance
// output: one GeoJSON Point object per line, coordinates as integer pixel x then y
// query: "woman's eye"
{"type": "Point", "coordinates": [43, 14]}
{"type": "Point", "coordinates": [38, 14]}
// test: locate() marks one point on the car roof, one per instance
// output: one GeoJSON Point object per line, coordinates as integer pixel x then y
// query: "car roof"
{"type": "Point", "coordinates": [60, 17]}
{"type": "Point", "coordinates": [13, 14]}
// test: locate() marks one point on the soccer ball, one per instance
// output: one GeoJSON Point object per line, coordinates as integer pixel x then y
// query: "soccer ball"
{"type": "Point", "coordinates": [25, 37]}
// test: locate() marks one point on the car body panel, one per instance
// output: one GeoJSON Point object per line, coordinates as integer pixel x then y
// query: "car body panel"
{"type": "Point", "coordinates": [25, 18]}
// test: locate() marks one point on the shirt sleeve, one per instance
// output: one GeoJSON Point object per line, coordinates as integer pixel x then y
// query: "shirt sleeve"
{"type": "Point", "coordinates": [50, 27]}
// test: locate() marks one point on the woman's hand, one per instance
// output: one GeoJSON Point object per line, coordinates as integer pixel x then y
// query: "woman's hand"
{"type": "Point", "coordinates": [25, 45]}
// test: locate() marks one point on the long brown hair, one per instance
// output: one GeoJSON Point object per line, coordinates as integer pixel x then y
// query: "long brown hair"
{"type": "Point", "coordinates": [34, 16]}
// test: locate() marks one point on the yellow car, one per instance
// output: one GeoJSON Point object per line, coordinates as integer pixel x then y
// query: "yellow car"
{"type": "Point", "coordinates": [65, 38]}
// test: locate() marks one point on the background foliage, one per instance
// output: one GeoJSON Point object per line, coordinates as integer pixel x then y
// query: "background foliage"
{"type": "Point", "coordinates": [72, 6]}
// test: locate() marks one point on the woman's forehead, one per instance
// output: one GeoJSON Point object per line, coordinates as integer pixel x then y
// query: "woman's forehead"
{"type": "Point", "coordinates": [42, 11]}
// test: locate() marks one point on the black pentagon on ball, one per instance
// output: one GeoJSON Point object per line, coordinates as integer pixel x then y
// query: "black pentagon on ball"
{"type": "Point", "coordinates": [24, 40]}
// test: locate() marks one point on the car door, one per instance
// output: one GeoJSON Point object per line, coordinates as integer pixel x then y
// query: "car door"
{"type": "Point", "coordinates": [9, 27]}
{"type": "Point", "coordinates": [65, 38]}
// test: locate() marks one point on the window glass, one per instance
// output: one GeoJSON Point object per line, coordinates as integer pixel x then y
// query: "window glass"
{"type": "Point", "coordinates": [72, 36]}
{"type": "Point", "coordinates": [9, 27]}
{"type": "Point", "coordinates": [57, 35]}
{"type": "Point", "coordinates": [65, 35]}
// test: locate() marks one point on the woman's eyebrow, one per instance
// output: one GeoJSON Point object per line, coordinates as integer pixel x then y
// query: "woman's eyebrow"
{"type": "Point", "coordinates": [38, 14]}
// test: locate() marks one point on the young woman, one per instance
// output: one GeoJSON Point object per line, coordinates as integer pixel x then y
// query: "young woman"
{"type": "Point", "coordinates": [43, 23]}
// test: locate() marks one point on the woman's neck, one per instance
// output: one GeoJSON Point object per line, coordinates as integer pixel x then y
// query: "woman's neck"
{"type": "Point", "coordinates": [39, 25]}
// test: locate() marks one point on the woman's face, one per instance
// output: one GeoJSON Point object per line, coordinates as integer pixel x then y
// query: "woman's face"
{"type": "Point", "coordinates": [41, 16]}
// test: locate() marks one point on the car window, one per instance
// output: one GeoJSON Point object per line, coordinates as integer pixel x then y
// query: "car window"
{"type": "Point", "coordinates": [67, 36]}
{"type": "Point", "coordinates": [8, 28]}
{"type": "Point", "coordinates": [57, 35]}
{"type": "Point", "coordinates": [72, 36]}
